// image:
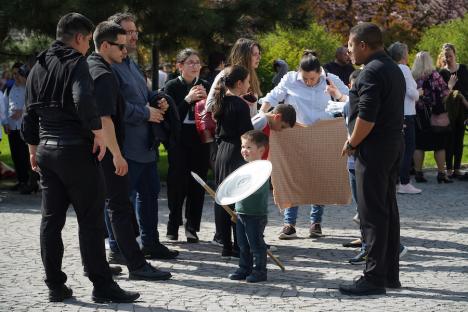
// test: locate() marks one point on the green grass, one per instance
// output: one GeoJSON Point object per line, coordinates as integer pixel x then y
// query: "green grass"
{"type": "Point", "coordinates": [429, 161]}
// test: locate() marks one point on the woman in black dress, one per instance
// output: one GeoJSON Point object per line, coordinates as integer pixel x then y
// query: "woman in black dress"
{"type": "Point", "coordinates": [456, 76]}
{"type": "Point", "coordinates": [232, 115]}
{"type": "Point", "coordinates": [188, 153]}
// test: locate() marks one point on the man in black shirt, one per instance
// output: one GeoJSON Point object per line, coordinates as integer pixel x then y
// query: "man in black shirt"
{"type": "Point", "coordinates": [376, 124]}
{"type": "Point", "coordinates": [66, 143]}
{"type": "Point", "coordinates": [110, 40]}
{"type": "Point", "coordinates": [341, 66]}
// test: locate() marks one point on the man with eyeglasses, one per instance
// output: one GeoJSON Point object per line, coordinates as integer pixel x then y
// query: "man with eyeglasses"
{"type": "Point", "coordinates": [109, 40]}
{"type": "Point", "coordinates": [66, 143]}
{"type": "Point", "coordinates": [138, 146]}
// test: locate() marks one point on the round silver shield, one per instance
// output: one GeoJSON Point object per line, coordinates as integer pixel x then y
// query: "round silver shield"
{"type": "Point", "coordinates": [243, 182]}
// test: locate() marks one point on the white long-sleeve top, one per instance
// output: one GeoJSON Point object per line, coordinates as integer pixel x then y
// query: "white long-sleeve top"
{"type": "Point", "coordinates": [412, 94]}
{"type": "Point", "coordinates": [309, 102]}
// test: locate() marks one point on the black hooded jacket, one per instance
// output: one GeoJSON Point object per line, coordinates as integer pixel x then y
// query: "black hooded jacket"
{"type": "Point", "coordinates": [59, 97]}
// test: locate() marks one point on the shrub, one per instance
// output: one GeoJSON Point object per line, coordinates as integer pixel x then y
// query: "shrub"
{"type": "Point", "coordinates": [289, 44]}
{"type": "Point", "coordinates": [455, 32]}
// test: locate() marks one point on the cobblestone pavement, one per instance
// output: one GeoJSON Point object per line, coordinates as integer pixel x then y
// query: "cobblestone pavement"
{"type": "Point", "coordinates": [434, 273]}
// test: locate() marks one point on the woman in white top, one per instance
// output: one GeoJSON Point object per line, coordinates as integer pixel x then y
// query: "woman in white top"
{"type": "Point", "coordinates": [399, 53]}
{"type": "Point", "coordinates": [306, 91]}
{"type": "Point", "coordinates": [246, 53]}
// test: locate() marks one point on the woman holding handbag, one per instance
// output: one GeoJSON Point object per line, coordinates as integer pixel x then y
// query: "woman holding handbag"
{"type": "Point", "coordinates": [432, 124]}
{"type": "Point", "coordinates": [189, 153]}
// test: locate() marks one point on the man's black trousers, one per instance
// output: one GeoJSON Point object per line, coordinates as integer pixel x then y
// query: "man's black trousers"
{"type": "Point", "coordinates": [72, 175]}
{"type": "Point", "coordinates": [121, 214]}
{"type": "Point", "coordinates": [377, 167]}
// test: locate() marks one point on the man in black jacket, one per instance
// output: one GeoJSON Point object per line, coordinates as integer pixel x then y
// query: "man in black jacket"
{"type": "Point", "coordinates": [66, 143]}
{"type": "Point", "coordinates": [109, 40]}
{"type": "Point", "coordinates": [376, 127]}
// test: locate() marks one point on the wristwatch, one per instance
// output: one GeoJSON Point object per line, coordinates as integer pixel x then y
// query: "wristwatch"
{"type": "Point", "coordinates": [349, 147]}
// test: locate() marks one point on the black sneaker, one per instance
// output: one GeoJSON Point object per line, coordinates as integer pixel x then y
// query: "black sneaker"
{"type": "Point", "coordinates": [60, 293]}
{"type": "Point", "coordinates": [191, 235]}
{"type": "Point", "coordinates": [115, 270]}
{"type": "Point", "coordinates": [256, 277]}
{"type": "Point", "coordinates": [115, 257]}
{"type": "Point", "coordinates": [357, 243]}
{"type": "Point", "coordinates": [288, 232]}
{"type": "Point", "coordinates": [362, 287]}
{"type": "Point", "coordinates": [148, 272]}
{"type": "Point", "coordinates": [159, 251]}
{"type": "Point", "coordinates": [315, 230]}
{"type": "Point", "coordinates": [238, 276]}
{"type": "Point", "coordinates": [113, 293]}
{"type": "Point", "coordinates": [361, 257]}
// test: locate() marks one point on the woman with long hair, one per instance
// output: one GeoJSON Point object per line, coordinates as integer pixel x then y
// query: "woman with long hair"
{"type": "Point", "coordinates": [232, 117]}
{"type": "Point", "coordinates": [306, 90]}
{"type": "Point", "coordinates": [430, 102]}
{"type": "Point", "coordinates": [456, 76]}
{"type": "Point", "coordinates": [188, 153]}
{"type": "Point", "coordinates": [245, 53]}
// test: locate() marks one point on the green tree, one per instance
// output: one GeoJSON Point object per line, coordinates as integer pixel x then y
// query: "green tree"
{"type": "Point", "coordinates": [289, 44]}
{"type": "Point", "coordinates": [455, 32]}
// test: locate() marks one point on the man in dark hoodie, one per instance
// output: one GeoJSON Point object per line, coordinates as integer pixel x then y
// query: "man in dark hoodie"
{"type": "Point", "coordinates": [109, 40]}
{"type": "Point", "coordinates": [65, 140]}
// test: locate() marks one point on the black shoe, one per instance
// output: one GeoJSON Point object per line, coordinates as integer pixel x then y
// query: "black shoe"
{"type": "Point", "coordinates": [116, 257]}
{"type": "Point", "coordinates": [238, 276]}
{"type": "Point", "coordinates": [393, 284]}
{"type": "Point", "coordinates": [172, 233]}
{"type": "Point", "coordinates": [361, 287]}
{"type": "Point", "coordinates": [357, 243]}
{"type": "Point", "coordinates": [172, 237]}
{"type": "Point", "coordinates": [159, 251]}
{"type": "Point", "coordinates": [361, 257]}
{"type": "Point", "coordinates": [442, 178]}
{"type": "Point", "coordinates": [148, 272]}
{"type": "Point", "coordinates": [60, 293]}
{"type": "Point", "coordinates": [115, 270]}
{"type": "Point", "coordinates": [419, 177]}
{"type": "Point", "coordinates": [191, 235]}
{"type": "Point", "coordinates": [256, 277]}
{"type": "Point", "coordinates": [113, 293]}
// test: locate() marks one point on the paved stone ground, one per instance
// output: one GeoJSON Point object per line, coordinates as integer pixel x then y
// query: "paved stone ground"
{"type": "Point", "coordinates": [434, 273]}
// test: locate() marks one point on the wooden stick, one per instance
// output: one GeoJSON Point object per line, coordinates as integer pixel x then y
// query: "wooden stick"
{"type": "Point", "coordinates": [212, 193]}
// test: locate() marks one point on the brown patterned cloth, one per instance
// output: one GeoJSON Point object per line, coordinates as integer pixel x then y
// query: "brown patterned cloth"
{"type": "Point", "coordinates": [307, 165]}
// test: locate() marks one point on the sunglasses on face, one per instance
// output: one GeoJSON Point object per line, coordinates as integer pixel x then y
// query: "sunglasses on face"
{"type": "Point", "coordinates": [121, 46]}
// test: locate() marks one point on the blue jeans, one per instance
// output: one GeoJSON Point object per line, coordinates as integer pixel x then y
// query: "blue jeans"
{"type": "Point", "coordinates": [144, 191]}
{"type": "Point", "coordinates": [316, 212]}
{"type": "Point", "coordinates": [352, 184]}
{"type": "Point", "coordinates": [410, 145]}
{"type": "Point", "coordinates": [253, 250]}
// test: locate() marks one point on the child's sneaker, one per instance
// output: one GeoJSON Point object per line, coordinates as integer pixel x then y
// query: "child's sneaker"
{"type": "Point", "coordinates": [288, 232]}
{"type": "Point", "coordinates": [315, 230]}
{"type": "Point", "coordinates": [238, 276]}
{"type": "Point", "coordinates": [256, 277]}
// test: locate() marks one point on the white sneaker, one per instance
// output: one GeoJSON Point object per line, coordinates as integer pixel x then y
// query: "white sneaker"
{"type": "Point", "coordinates": [408, 189]}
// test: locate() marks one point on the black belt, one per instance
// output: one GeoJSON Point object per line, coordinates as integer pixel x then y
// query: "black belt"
{"type": "Point", "coordinates": [64, 142]}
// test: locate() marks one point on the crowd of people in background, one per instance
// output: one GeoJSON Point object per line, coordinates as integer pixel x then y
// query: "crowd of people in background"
{"type": "Point", "coordinates": [135, 120]}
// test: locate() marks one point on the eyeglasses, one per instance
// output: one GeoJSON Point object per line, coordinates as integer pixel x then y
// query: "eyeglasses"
{"type": "Point", "coordinates": [120, 45]}
{"type": "Point", "coordinates": [132, 32]}
{"type": "Point", "coordinates": [192, 64]}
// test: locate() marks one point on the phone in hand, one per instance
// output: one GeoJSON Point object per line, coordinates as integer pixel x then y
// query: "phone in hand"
{"type": "Point", "coordinates": [249, 97]}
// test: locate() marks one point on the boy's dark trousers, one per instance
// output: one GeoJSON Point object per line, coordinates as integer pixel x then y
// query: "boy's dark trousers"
{"type": "Point", "coordinates": [253, 250]}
